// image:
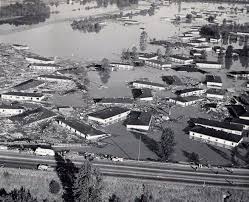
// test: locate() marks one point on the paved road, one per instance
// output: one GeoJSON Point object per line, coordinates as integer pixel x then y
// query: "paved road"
{"type": "Point", "coordinates": [170, 172]}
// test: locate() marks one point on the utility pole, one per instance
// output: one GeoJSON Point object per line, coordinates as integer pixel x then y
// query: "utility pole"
{"type": "Point", "coordinates": [139, 148]}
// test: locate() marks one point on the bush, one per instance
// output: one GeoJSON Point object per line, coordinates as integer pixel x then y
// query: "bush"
{"type": "Point", "coordinates": [6, 174]}
{"type": "Point", "coordinates": [54, 187]}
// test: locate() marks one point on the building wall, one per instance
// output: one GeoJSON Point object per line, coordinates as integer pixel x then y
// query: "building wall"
{"type": "Point", "coordinates": [11, 112]}
{"type": "Point", "coordinates": [110, 119]}
{"type": "Point", "coordinates": [222, 129]}
{"type": "Point", "coordinates": [196, 93]}
{"type": "Point", "coordinates": [215, 96]}
{"type": "Point", "coordinates": [177, 60]}
{"type": "Point", "coordinates": [34, 60]}
{"type": "Point", "coordinates": [21, 98]}
{"type": "Point", "coordinates": [212, 140]}
{"type": "Point", "coordinates": [139, 127]}
{"type": "Point", "coordinates": [140, 85]}
{"type": "Point", "coordinates": [53, 79]}
{"type": "Point", "coordinates": [47, 68]}
{"type": "Point", "coordinates": [210, 66]}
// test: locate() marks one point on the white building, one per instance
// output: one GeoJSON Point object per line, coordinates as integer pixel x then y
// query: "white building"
{"type": "Point", "coordinates": [219, 125]}
{"type": "Point", "coordinates": [123, 66]}
{"type": "Point", "coordinates": [214, 40]}
{"type": "Point", "coordinates": [146, 56]}
{"type": "Point", "coordinates": [185, 101]}
{"type": "Point", "coordinates": [54, 78]}
{"type": "Point", "coordinates": [214, 137]}
{"type": "Point", "coordinates": [149, 85]}
{"type": "Point", "coordinates": [180, 59]}
{"type": "Point", "coordinates": [44, 67]}
{"type": "Point", "coordinates": [9, 110]}
{"type": "Point", "coordinates": [139, 121]}
{"type": "Point", "coordinates": [82, 129]}
{"type": "Point", "coordinates": [190, 92]}
{"type": "Point", "coordinates": [20, 47]}
{"type": "Point", "coordinates": [109, 115]}
{"type": "Point", "coordinates": [20, 96]}
{"type": "Point", "coordinates": [158, 64]}
{"type": "Point", "coordinates": [198, 43]}
{"type": "Point", "coordinates": [202, 48]}
{"type": "Point", "coordinates": [209, 65]}
{"type": "Point", "coordinates": [213, 81]}
{"type": "Point", "coordinates": [216, 93]}
{"type": "Point", "coordinates": [41, 60]}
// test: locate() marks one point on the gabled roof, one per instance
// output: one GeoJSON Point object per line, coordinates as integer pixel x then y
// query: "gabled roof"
{"type": "Point", "coordinates": [32, 116]}
{"type": "Point", "coordinates": [81, 127]}
{"type": "Point", "coordinates": [52, 76]}
{"type": "Point", "coordinates": [31, 83]}
{"type": "Point", "coordinates": [24, 94]}
{"type": "Point", "coordinates": [108, 112]}
{"type": "Point", "coordinates": [4, 106]}
{"type": "Point", "coordinates": [216, 91]}
{"type": "Point", "coordinates": [187, 90]}
{"type": "Point", "coordinates": [217, 134]}
{"type": "Point", "coordinates": [213, 78]}
{"type": "Point", "coordinates": [218, 124]}
{"type": "Point", "coordinates": [115, 100]}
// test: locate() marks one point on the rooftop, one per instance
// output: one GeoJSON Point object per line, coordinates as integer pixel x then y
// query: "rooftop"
{"type": "Point", "coordinates": [213, 78]}
{"type": "Point", "coordinates": [149, 83]}
{"type": "Point", "coordinates": [217, 134]}
{"type": "Point", "coordinates": [216, 91]}
{"type": "Point", "coordinates": [4, 106]}
{"type": "Point", "coordinates": [208, 62]}
{"type": "Point", "coordinates": [188, 68]}
{"type": "Point", "coordinates": [238, 72]}
{"type": "Point", "coordinates": [180, 57]}
{"type": "Point", "coordinates": [218, 124]}
{"type": "Point", "coordinates": [52, 76]}
{"type": "Point", "coordinates": [139, 118]}
{"type": "Point", "coordinates": [240, 121]}
{"type": "Point", "coordinates": [81, 127]}
{"type": "Point", "coordinates": [32, 116]}
{"type": "Point", "coordinates": [108, 112]}
{"type": "Point", "coordinates": [31, 83]}
{"type": "Point", "coordinates": [186, 99]}
{"type": "Point", "coordinates": [39, 58]}
{"type": "Point", "coordinates": [141, 93]}
{"type": "Point", "coordinates": [45, 65]}
{"type": "Point", "coordinates": [187, 90]}
{"type": "Point", "coordinates": [24, 94]}
{"type": "Point", "coordinates": [115, 100]}
{"type": "Point", "coordinates": [172, 80]}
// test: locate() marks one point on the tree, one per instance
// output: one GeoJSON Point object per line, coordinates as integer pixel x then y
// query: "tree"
{"type": "Point", "coordinates": [194, 157]}
{"type": "Point", "coordinates": [17, 195]}
{"type": "Point", "coordinates": [159, 54]}
{"type": "Point", "coordinates": [54, 187]}
{"type": "Point", "coordinates": [105, 63]}
{"type": "Point", "coordinates": [167, 143]}
{"type": "Point", "coordinates": [229, 51]}
{"type": "Point", "coordinates": [211, 19]}
{"type": "Point", "coordinates": [87, 184]}
{"type": "Point", "coordinates": [114, 198]}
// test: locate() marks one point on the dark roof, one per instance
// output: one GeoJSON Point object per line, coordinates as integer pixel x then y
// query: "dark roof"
{"type": "Point", "coordinates": [108, 112]}
{"type": "Point", "coordinates": [171, 80]}
{"type": "Point", "coordinates": [218, 124]}
{"type": "Point", "coordinates": [32, 116]}
{"type": "Point", "coordinates": [238, 72]}
{"type": "Point", "coordinates": [186, 99]}
{"type": "Point", "coordinates": [188, 68]}
{"type": "Point", "coordinates": [236, 110]}
{"type": "Point", "coordinates": [51, 76]}
{"type": "Point", "coordinates": [179, 92]}
{"type": "Point", "coordinates": [41, 64]}
{"type": "Point", "coordinates": [23, 94]}
{"type": "Point", "coordinates": [213, 78]}
{"type": "Point", "coordinates": [240, 121]}
{"type": "Point", "coordinates": [4, 106]}
{"type": "Point", "coordinates": [31, 83]}
{"type": "Point", "coordinates": [217, 134]}
{"type": "Point", "coordinates": [180, 57]}
{"type": "Point", "coordinates": [139, 118]}
{"type": "Point", "coordinates": [216, 91]}
{"type": "Point", "coordinates": [149, 83]}
{"type": "Point", "coordinates": [81, 127]}
{"type": "Point", "coordinates": [116, 100]}
{"type": "Point", "coordinates": [147, 55]}
{"type": "Point", "coordinates": [208, 62]}
{"type": "Point", "coordinates": [210, 105]}
{"type": "Point", "coordinates": [141, 93]}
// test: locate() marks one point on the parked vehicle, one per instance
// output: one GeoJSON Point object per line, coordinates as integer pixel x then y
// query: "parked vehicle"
{"type": "Point", "coordinates": [44, 152]}
{"type": "Point", "coordinates": [44, 167]}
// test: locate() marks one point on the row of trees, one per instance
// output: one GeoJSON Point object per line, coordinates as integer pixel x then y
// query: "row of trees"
{"type": "Point", "coordinates": [27, 8]}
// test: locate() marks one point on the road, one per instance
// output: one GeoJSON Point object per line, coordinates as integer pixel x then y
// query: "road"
{"type": "Point", "coordinates": [168, 172]}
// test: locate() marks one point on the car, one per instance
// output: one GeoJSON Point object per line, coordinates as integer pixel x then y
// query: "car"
{"type": "Point", "coordinates": [44, 167]}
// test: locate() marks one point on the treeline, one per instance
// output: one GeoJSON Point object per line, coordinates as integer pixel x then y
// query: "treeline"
{"type": "Point", "coordinates": [105, 3]}
{"type": "Point", "coordinates": [27, 8]}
